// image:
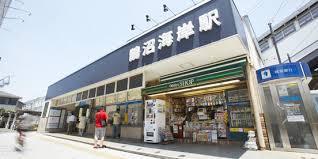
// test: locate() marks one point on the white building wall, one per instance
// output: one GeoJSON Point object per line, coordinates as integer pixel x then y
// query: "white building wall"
{"type": "Point", "coordinates": [297, 45]}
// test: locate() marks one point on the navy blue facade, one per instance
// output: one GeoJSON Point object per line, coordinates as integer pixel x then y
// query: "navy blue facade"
{"type": "Point", "coordinates": [117, 62]}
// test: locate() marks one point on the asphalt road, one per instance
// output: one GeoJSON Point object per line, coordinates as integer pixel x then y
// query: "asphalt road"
{"type": "Point", "coordinates": [44, 147]}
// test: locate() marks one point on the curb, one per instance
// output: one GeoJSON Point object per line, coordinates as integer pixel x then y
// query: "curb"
{"type": "Point", "coordinates": [114, 148]}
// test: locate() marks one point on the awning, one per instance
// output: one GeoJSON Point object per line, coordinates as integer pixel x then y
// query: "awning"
{"type": "Point", "coordinates": [214, 73]}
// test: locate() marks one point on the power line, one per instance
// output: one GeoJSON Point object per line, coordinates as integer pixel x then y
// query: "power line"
{"type": "Point", "coordinates": [258, 4]}
{"type": "Point", "coordinates": [284, 2]}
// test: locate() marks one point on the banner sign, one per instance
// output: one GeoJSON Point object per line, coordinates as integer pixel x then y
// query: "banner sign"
{"type": "Point", "coordinates": [282, 71]}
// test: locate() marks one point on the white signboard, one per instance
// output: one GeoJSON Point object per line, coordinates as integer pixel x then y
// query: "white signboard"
{"type": "Point", "coordinates": [55, 112]}
{"type": "Point", "coordinates": [295, 118]}
{"type": "Point", "coordinates": [53, 122]}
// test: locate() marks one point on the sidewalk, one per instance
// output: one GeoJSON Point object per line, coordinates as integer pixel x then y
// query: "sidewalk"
{"type": "Point", "coordinates": [188, 151]}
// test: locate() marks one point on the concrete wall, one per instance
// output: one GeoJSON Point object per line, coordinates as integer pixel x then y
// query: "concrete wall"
{"type": "Point", "coordinates": [297, 45]}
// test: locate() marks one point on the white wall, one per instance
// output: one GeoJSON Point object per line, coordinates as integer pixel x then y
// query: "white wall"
{"type": "Point", "coordinates": [297, 45]}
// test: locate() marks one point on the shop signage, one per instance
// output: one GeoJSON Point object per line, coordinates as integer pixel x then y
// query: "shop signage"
{"type": "Point", "coordinates": [184, 31]}
{"type": "Point", "coordinates": [236, 72]}
{"type": "Point", "coordinates": [204, 24]}
{"type": "Point", "coordinates": [110, 99]}
{"type": "Point", "coordinates": [122, 97]}
{"type": "Point", "coordinates": [182, 83]}
{"type": "Point", "coordinates": [134, 95]}
{"type": "Point", "coordinates": [282, 71]}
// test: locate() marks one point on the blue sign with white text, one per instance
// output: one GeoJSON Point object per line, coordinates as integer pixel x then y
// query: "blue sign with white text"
{"type": "Point", "coordinates": [282, 71]}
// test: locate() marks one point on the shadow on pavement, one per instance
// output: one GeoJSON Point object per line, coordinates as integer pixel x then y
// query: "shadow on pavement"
{"type": "Point", "coordinates": [232, 150]}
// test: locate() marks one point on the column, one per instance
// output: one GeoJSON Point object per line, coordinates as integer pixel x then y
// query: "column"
{"type": "Point", "coordinates": [8, 122]}
{"type": "Point", "coordinates": [14, 120]}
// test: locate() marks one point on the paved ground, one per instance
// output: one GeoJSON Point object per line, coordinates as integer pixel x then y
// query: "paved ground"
{"type": "Point", "coordinates": [40, 146]}
{"type": "Point", "coordinates": [197, 152]}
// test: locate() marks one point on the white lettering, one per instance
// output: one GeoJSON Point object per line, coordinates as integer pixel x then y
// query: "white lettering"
{"type": "Point", "coordinates": [165, 40]}
{"type": "Point", "coordinates": [134, 53]}
{"type": "Point", "coordinates": [149, 47]}
{"type": "Point", "coordinates": [185, 31]}
{"type": "Point", "coordinates": [206, 20]}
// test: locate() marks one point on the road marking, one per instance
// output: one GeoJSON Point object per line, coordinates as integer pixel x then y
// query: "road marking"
{"type": "Point", "coordinates": [95, 152]}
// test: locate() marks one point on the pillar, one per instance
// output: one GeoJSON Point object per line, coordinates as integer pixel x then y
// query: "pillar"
{"type": "Point", "coordinates": [14, 120]}
{"type": "Point", "coordinates": [8, 122]}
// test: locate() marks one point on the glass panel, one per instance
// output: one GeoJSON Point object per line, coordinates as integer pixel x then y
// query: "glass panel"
{"type": "Point", "coordinates": [304, 19]}
{"type": "Point", "coordinates": [85, 95]}
{"type": "Point", "coordinates": [264, 45]}
{"type": "Point", "coordinates": [314, 11]}
{"type": "Point", "coordinates": [110, 88]}
{"type": "Point", "coordinates": [101, 90]}
{"type": "Point", "coordinates": [273, 117]}
{"type": "Point", "coordinates": [135, 81]}
{"type": "Point", "coordinates": [122, 85]}
{"type": "Point", "coordinates": [78, 96]}
{"type": "Point", "coordinates": [123, 114]}
{"type": "Point", "coordinates": [92, 93]}
{"type": "Point", "coordinates": [290, 28]}
{"type": "Point", "coordinates": [295, 117]}
{"type": "Point", "coordinates": [135, 114]}
{"type": "Point", "coordinates": [279, 36]}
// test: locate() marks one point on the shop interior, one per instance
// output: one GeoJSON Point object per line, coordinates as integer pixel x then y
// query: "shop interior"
{"type": "Point", "coordinates": [210, 115]}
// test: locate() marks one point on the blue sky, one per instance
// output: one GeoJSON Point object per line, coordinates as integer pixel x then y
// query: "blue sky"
{"type": "Point", "coordinates": [62, 36]}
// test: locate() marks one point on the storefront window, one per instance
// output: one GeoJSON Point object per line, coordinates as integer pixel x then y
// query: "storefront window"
{"type": "Point", "coordinates": [135, 114]}
{"type": "Point", "coordinates": [123, 114]}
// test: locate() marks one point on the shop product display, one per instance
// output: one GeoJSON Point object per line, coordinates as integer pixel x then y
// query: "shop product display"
{"type": "Point", "coordinates": [239, 109]}
{"type": "Point", "coordinates": [208, 118]}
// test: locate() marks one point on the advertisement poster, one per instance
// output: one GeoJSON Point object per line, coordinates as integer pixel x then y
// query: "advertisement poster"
{"type": "Point", "coordinates": [292, 105]}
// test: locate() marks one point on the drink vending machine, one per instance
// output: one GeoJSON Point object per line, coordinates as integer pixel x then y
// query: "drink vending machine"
{"type": "Point", "coordinates": [155, 120]}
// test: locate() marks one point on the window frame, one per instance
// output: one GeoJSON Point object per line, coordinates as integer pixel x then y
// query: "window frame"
{"type": "Point", "coordinates": [136, 76]}
{"type": "Point", "coordinates": [122, 82]}
{"type": "Point", "coordinates": [114, 89]}
{"type": "Point", "coordinates": [305, 15]}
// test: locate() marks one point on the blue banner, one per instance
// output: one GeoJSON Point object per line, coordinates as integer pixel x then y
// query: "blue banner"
{"type": "Point", "coordinates": [282, 71]}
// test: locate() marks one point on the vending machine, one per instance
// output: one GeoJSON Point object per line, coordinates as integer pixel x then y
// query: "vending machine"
{"type": "Point", "coordinates": [155, 120]}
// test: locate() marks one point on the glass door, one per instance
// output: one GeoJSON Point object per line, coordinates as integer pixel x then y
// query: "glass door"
{"type": "Point", "coordinates": [295, 118]}
{"type": "Point", "coordinates": [289, 126]}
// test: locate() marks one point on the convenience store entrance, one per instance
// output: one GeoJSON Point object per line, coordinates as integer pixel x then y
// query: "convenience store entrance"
{"type": "Point", "coordinates": [212, 115]}
{"type": "Point", "coordinates": [207, 104]}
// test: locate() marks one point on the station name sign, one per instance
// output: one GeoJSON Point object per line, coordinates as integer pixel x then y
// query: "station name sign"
{"type": "Point", "coordinates": [184, 31]}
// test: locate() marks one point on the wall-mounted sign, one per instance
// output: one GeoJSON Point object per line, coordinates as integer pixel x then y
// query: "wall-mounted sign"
{"type": "Point", "coordinates": [122, 97]}
{"type": "Point", "coordinates": [184, 31]}
{"type": "Point", "coordinates": [282, 71]}
{"type": "Point", "coordinates": [134, 95]}
{"type": "Point", "coordinates": [110, 99]}
{"type": "Point", "coordinates": [206, 23]}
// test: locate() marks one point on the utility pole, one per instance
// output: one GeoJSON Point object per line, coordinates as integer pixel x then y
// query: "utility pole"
{"type": "Point", "coordinates": [274, 42]}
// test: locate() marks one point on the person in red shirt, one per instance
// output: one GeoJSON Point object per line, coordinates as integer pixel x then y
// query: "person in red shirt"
{"type": "Point", "coordinates": [100, 127]}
